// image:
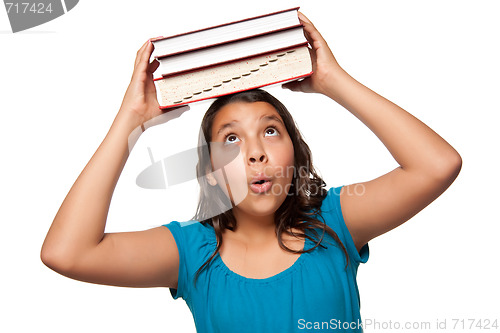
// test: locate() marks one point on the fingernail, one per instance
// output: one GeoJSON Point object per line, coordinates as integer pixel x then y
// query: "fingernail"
{"type": "Point", "coordinates": [303, 18]}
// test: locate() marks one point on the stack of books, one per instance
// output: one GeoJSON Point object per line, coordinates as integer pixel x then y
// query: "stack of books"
{"type": "Point", "coordinates": [231, 57]}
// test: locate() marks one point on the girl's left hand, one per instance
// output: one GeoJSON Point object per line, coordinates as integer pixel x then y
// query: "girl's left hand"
{"type": "Point", "coordinates": [324, 64]}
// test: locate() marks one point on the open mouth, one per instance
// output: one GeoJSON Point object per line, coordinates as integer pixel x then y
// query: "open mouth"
{"type": "Point", "coordinates": [261, 186]}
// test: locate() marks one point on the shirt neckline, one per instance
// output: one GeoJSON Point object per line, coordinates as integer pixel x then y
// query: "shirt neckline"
{"type": "Point", "coordinates": [278, 276]}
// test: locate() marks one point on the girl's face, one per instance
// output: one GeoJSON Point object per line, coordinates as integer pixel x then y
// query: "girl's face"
{"type": "Point", "coordinates": [258, 179]}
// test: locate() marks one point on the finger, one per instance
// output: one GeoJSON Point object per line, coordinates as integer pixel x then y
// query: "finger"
{"type": "Point", "coordinates": [304, 21]}
{"type": "Point", "coordinates": [143, 55]}
{"type": "Point", "coordinates": [312, 34]}
{"type": "Point", "coordinates": [140, 53]}
{"type": "Point", "coordinates": [303, 18]}
{"type": "Point", "coordinates": [293, 86]}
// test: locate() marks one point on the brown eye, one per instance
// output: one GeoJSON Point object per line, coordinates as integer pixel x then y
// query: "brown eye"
{"type": "Point", "coordinates": [271, 131]}
{"type": "Point", "coordinates": [231, 138]}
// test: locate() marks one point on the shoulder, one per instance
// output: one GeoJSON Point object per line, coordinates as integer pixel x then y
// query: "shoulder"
{"type": "Point", "coordinates": [187, 226]}
{"type": "Point", "coordinates": [195, 243]}
{"type": "Point", "coordinates": [195, 240]}
{"type": "Point", "coordinates": [331, 212]}
{"type": "Point", "coordinates": [190, 232]}
{"type": "Point", "coordinates": [331, 202]}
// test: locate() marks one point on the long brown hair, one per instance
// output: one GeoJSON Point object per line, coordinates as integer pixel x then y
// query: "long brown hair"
{"type": "Point", "coordinates": [304, 198]}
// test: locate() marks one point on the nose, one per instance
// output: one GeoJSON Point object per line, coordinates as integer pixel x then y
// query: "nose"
{"type": "Point", "coordinates": [256, 154]}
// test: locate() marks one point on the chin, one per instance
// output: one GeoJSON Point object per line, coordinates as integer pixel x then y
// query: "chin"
{"type": "Point", "coordinates": [261, 205]}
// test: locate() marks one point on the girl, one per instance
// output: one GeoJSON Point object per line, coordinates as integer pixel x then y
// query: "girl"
{"type": "Point", "coordinates": [271, 249]}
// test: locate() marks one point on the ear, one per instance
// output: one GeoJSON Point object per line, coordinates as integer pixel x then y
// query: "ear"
{"type": "Point", "coordinates": [211, 179]}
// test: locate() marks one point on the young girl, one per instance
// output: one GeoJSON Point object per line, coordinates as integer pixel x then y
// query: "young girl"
{"type": "Point", "coordinates": [270, 249]}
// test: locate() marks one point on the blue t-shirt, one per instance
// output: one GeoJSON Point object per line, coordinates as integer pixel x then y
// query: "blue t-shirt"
{"type": "Point", "coordinates": [317, 293]}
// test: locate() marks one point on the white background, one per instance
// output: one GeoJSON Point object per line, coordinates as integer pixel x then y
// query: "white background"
{"type": "Point", "coordinates": [61, 85]}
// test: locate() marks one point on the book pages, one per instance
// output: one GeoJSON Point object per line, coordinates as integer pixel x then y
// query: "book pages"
{"type": "Point", "coordinates": [235, 76]}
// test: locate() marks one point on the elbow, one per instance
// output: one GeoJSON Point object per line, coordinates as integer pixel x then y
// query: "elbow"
{"type": "Point", "coordinates": [457, 165]}
{"type": "Point", "coordinates": [448, 167]}
{"type": "Point", "coordinates": [55, 259]}
{"type": "Point", "coordinates": [48, 258]}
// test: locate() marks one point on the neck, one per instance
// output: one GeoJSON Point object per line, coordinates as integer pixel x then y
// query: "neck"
{"type": "Point", "coordinates": [254, 229]}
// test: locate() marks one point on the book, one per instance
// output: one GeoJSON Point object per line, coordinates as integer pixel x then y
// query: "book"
{"type": "Point", "coordinates": [250, 73]}
{"type": "Point", "coordinates": [230, 51]}
{"type": "Point", "coordinates": [215, 63]}
{"type": "Point", "coordinates": [220, 34]}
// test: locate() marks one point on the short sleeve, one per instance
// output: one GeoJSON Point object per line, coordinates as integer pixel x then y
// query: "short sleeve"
{"type": "Point", "coordinates": [176, 230]}
{"type": "Point", "coordinates": [195, 243]}
{"type": "Point", "coordinates": [331, 207]}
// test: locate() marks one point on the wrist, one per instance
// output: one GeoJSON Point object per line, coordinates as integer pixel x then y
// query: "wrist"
{"type": "Point", "coordinates": [333, 81]}
{"type": "Point", "coordinates": [129, 120]}
{"type": "Point", "coordinates": [126, 128]}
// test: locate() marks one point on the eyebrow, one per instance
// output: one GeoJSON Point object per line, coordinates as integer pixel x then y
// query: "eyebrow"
{"type": "Point", "coordinates": [263, 118]}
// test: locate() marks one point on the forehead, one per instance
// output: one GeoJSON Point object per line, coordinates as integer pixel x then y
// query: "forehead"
{"type": "Point", "coordinates": [243, 113]}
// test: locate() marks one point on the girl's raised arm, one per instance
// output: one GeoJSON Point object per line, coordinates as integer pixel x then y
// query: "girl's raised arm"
{"type": "Point", "coordinates": [428, 164]}
{"type": "Point", "coordinates": [76, 245]}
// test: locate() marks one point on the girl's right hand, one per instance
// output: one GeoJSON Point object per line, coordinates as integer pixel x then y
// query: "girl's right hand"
{"type": "Point", "coordinates": [325, 67]}
{"type": "Point", "coordinates": [140, 103]}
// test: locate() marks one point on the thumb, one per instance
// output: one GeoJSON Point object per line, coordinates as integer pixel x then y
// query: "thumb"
{"type": "Point", "coordinates": [294, 85]}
